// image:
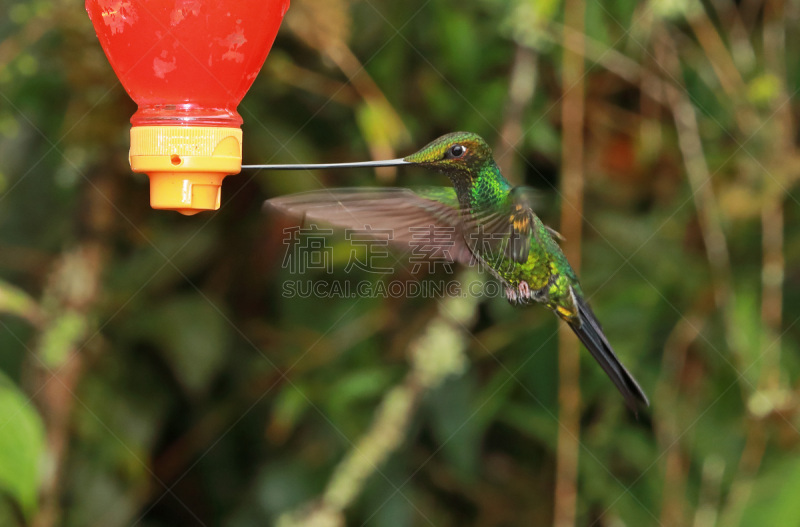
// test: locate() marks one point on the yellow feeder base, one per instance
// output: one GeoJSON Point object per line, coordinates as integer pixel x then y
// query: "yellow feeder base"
{"type": "Point", "coordinates": [186, 164]}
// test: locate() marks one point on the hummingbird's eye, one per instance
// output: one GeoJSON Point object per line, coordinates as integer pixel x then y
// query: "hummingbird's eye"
{"type": "Point", "coordinates": [456, 151]}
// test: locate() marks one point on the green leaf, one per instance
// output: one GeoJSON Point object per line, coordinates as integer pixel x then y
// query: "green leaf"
{"type": "Point", "coordinates": [290, 406]}
{"type": "Point", "coordinates": [15, 301]}
{"type": "Point", "coordinates": [21, 446]}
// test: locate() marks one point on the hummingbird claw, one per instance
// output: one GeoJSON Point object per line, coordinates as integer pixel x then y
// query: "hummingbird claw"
{"type": "Point", "coordinates": [511, 295]}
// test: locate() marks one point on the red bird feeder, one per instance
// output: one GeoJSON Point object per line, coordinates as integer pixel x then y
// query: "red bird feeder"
{"type": "Point", "coordinates": [187, 64]}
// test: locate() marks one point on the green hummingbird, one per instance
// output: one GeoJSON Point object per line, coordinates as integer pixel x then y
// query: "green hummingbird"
{"type": "Point", "coordinates": [492, 224]}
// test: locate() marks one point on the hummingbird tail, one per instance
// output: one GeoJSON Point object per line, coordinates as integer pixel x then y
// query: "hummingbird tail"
{"type": "Point", "coordinates": [588, 330]}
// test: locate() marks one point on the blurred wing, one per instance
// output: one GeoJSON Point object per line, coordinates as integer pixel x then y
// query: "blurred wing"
{"type": "Point", "coordinates": [505, 232]}
{"type": "Point", "coordinates": [427, 217]}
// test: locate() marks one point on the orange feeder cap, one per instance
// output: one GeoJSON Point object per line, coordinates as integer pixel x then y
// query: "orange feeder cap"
{"type": "Point", "coordinates": [186, 164]}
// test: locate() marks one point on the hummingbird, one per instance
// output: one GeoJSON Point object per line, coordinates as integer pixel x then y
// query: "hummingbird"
{"type": "Point", "coordinates": [492, 224]}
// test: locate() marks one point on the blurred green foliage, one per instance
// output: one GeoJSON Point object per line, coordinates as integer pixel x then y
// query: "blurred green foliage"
{"type": "Point", "coordinates": [154, 373]}
{"type": "Point", "coordinates": [21, 447]}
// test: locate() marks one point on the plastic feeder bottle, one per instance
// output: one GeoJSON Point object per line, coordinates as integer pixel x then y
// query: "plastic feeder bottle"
{"type": "Point", "coordinates": [187, 64]}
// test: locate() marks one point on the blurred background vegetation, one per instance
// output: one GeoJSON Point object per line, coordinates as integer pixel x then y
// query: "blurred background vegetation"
{"type": "Point", "coordinates": [153, 374]}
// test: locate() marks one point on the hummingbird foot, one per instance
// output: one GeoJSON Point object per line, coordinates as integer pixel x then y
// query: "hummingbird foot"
{"type": "Point", "coordinates": [519, 295]}
{"type": "Point", "coordinates": [524, 291]}
{"type": "Point", "coordinates": [511, 295]}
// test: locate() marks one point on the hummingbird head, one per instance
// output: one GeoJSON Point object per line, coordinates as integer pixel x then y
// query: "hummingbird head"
{"type": "Point", "coordinates": [458, 155]}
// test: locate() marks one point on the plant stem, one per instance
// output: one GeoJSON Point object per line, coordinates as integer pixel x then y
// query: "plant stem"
{"type": "Point", "coordinates": [572, 180]}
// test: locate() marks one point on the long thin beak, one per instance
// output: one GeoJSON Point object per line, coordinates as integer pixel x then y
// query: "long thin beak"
{"type": "Point", "coordinates": [387, 163]}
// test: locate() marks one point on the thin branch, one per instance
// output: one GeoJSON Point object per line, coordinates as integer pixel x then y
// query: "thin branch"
{"type": "Point", "coordinates": [725, 69]}
{"type": "Point", "coordinates": [284, 70]}
{"type": "Point", "coordinates": [522, 87]}
{"type": "Point", "coordinates": [667, 425]}
{"type": "Point", "coordinates": [68, 302]}
{"type": "Point", "coordinates": [572, 155]}
{"type": "Point", "coordinates": [69, 298]}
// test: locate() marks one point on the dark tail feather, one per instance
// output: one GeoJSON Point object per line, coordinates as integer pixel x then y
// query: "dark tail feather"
{"type": "Point", "coordinates": [595, 341]}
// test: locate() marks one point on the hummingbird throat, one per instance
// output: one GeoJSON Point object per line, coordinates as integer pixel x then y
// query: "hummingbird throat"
{"type": "Point", "coordinates": [484, 189]}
